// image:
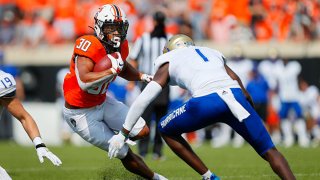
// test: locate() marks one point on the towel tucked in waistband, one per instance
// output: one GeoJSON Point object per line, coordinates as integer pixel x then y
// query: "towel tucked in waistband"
{"type": "Point", "coordinates": [235, 107]}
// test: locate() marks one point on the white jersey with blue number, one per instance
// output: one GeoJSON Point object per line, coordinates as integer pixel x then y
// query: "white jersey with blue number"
{"type": "Point", "coordinates": [7, 83]}
{"type": "Point", "coordinates": [200, 70]}
{"type": "Point", "coordinates": [287, 76]}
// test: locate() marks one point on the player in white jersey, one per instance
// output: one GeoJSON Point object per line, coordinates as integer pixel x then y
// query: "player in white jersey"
{"type": "Point", "coordinates": [310, 102]}
{"type": "Point", "coordinates": [287, 76]}
{"type": "Point", "coordinates": [8, 100]}
{"type": "Point", "coordinates": [217, 96]}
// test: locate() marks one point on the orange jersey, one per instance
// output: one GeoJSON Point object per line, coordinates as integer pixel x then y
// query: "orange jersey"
{"type": "Point", "coordinates": [88, 46]}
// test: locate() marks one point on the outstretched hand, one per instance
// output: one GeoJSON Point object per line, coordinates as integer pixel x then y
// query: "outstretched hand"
{"type": "Point", "coordinates": [44, 152]}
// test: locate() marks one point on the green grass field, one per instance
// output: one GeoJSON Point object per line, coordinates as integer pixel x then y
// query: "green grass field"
{"type": "Point", "coordinates": [92, 163]}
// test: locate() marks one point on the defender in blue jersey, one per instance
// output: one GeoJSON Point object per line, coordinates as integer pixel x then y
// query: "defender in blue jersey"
{"type": "Point", "coordinates": [217, 96]}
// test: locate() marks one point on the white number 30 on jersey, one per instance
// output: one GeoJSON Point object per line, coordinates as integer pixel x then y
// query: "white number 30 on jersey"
{"type": "Point", "coordinates": [84, 45]}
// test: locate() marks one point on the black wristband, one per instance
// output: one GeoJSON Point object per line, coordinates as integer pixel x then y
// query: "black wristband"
{"type": "Point", "coordinates": [40, 145]}
{"type": "Point", "coordinates": [124, 134]}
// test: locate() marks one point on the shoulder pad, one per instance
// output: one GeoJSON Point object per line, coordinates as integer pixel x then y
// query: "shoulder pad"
{"type": "Point", "coordinates": [89, 46]}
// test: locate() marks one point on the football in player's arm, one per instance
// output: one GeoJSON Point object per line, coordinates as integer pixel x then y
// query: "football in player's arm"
{"type": "Point", "coordinates": [9, 101]}
{"type": "Point", "coordinates": [89, 110]}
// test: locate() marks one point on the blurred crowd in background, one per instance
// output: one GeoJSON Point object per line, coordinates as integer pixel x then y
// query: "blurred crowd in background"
{"type": "Point", "coordinates": [34, 22]}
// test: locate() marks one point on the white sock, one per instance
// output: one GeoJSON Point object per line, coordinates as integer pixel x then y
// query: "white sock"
{"type": "Point", "coordinates": [4, 175]}
{"type": "Point", "coordinates": [158, 177]}
{"type": "Point", "coordinates": [206, 175]}
{"type": "Point", "coordinates": [316, 132]}
{"type": "Point", "coordinates": [276, 137]}
{"type": "Point", "coordinates": [301, 129]}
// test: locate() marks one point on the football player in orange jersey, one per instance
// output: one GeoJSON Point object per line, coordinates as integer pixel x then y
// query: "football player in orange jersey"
{"type": "Point", "coordinates": [88, 110]}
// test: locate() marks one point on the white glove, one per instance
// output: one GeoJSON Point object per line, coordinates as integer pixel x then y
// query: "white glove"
{"type": "Point", "coordinates": [44, 152]}
{"type": "Point", "coordinates": [115, 144]}
{"type": "Point", "coordinates": [117, 63]}
{"type": "Point", "coordinates": [146, 78]}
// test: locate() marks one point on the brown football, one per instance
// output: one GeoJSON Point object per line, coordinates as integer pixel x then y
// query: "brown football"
{"type": "Point", "coordinates": [104, 63]}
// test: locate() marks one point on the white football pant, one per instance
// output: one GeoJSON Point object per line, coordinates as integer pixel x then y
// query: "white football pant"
{"type": "Point", "coordinates": [98, 124]}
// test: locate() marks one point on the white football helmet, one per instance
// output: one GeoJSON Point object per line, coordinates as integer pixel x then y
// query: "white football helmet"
{"type": "Point", "coordinates": [111, 25]}
{"type": "Point", "coordinates": [177, 41]}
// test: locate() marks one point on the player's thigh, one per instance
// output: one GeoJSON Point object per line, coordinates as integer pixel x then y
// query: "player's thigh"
{"type": "Point", "coordinates": [195, 114]}
{"type": "Point", "coordinates": [252, 128]}
{"type": "Point", "coordinates": [181, 120]}
{"type": "Point", "coordinates": [253, 131]}
{"type": "Point", "coordinates": [114, 113]}
{"type": "Point", "coordinates": [114, 116]}
{"type": "Point", "coordinates": [88, 123]}
{"type": "Point", "coordinates": [79, 119]}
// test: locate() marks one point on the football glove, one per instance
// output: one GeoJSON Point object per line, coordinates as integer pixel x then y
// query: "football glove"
{"type": "Point", "coordinates": [44, 152]}
{"type": "Point", "coordinates": [117, 63]}
{"type": "Point", "coordinates": [146, 78]}
{"type": "Point", "coordinates": [115, 144]}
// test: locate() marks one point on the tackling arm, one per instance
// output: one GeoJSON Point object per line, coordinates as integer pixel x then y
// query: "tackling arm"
{"type": "Point", "coordinates": [15, 107]}
{"type": "Point", "coordinates": [149, 94]}
{"type": "Point", "coordinates": [151, 91]}
{"type": "Point", "coordinates": [140, 104]}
